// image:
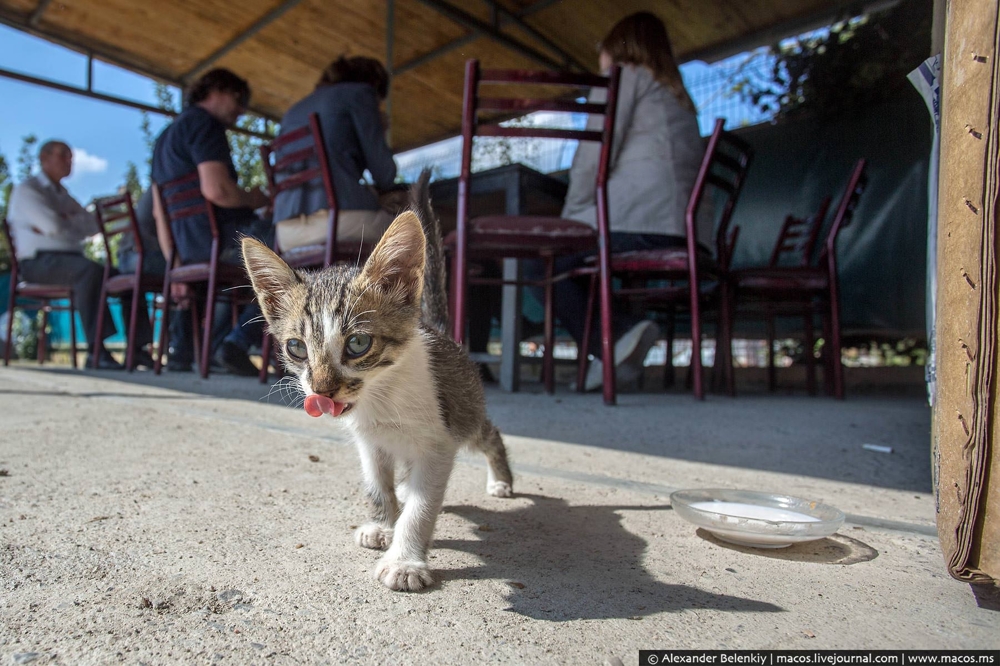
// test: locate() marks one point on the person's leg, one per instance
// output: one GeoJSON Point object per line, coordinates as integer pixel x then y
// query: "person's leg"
{"type": "Point", "coordinates": [86, 278]}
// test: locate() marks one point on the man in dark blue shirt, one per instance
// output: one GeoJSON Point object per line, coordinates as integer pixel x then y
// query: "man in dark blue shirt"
{"type": "Point", "coordinates": [195, 142]}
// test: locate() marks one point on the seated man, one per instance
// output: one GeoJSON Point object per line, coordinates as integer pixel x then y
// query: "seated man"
{"type": "Point", "coordinates": [346, 99]}
{"type": "Point", "coordinates": [196, 142]}
{"type": "Point", "coordinates": [49, 227]}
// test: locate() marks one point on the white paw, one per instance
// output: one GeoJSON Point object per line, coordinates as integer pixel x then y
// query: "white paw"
{"type": "Point", "coordinates": [403, 576]}
{"type": "Point", "coordinates": [499, 489]}
{"type": "Point", "coordinates": [374, 536]}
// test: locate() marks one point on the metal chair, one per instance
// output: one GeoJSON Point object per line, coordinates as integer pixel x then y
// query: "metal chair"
{"type": "Point", "coordinates": [692, 276]}
{"type": "Point", "coordinates": [42, 295]}
{"type": "Point", "coordinates": [182, 198]}
{"type": "Point", "coordinates": [115, 216]}
{"type": "Point", "coordinates": [532, 237]}
{"type": "Point", "coordinates": [805, 289]}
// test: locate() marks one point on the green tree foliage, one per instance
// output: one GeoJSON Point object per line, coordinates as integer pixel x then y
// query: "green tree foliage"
{"type": "Point", "coordinates": [246, 149]}
{"type": "Point", "coordinates": [6, 185]}
{"type": "Point", "coordinates": [856, 63]}
{"type": "Point", "coordinates": [26, 156]}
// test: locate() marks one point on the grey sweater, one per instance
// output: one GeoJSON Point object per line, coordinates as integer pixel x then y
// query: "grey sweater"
{"type": "Point", "coordinates": [655, 155]}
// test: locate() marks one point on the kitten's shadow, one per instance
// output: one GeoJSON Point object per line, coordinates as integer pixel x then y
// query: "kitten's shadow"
{"type": "Point", "coordinates": [567, 562]}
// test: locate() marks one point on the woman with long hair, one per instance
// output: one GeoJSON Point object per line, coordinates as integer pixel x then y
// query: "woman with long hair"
{"type": "Point", "coordinates": [655, 155]}
{"type": "Point", "coordinates": [346, 99]}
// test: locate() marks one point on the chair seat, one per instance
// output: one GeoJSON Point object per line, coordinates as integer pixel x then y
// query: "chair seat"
{"type": "Point", "coordinates": [121, 283]}
{"type": "Point", "coordinates": [526, 236]}
{"type": "Point", "coordinates": [225, 272]}
{"type": "Point", "coordinates": [780, 279]}
{"type": "Point", "coordinates": [668, 260]}
{"type": "Point", "coordinates": [43, 291]}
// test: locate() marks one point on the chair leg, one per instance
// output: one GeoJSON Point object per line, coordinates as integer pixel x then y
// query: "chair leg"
{"type": "Point", "coordinates": [696, 369]}
{"type": "Point", "coordinates": [43, 336]}
{"type": "Point", "coordinates": [548, 357]}
{"type": "Point", "coordinates": [669, 371]}
{"type": "Point", "coordinates": [99, 333]}
{"type": "Point", "coordinates": [164, 324]}
{"type": "Point", "coordinates": [72, 330]}
{"type": "Point", "coordinates": [9, 343]}
{"type": "Point", "coordinates": [130, 338]}
{"type": "Point", "coordinates": [206, 334]}
{"type": "Point", "coordinates": [836, 361]}
{"type": "Point", "coordinates": [584, 350]}
{"type": "Point", "coordinates": [607, 340]}
{"type": "Point", "coordinates": [809, 344]}
{"type": "Point", "coordinates": [825, 356]}
{"type": "Point", "coordinates": [195, 330]}
{"type": "Point", "coordinates": [726, 341]}
{"type": "Point", "coordinates": [772, 380]}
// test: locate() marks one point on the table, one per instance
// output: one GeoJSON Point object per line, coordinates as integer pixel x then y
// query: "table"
{"type": "Point", "coordinates": [513, 189]}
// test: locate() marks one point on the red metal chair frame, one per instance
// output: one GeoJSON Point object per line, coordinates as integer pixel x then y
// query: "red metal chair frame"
{"type": "Point", "coordinates": [724, 166]}
{"type": "Point", "coordinates": [215, 274]}
{"type": "Point", "coordinates": [522, 236]}
{"type": "Point", "coordinates": [796, 240]}
{"type": "Point", "coordinates": [45, 294]}
{"type": "Point", "coordinates": [115, 216]}
{"type": "Point", "coordinates": [808, 288]}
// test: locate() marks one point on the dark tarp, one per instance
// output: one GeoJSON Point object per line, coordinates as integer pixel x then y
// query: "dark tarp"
{"type": "Point", "coordinates": [882, 255]}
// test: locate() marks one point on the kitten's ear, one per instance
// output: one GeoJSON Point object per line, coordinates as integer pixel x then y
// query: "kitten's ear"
{"type": "Point", "coordinates": [397, 262]}
{"type": "Point", "coordinates": [271, 277]}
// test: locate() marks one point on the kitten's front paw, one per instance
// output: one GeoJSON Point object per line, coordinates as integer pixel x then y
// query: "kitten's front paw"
{"type": "Point", "coordinates": [403, 576]}
{"type": "Point", "coordinates": [373, 536]}
{"type": "Point", "coordinates": [499, 489]}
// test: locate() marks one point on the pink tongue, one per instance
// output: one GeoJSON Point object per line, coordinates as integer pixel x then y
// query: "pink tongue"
{"type": "Point", "coordinates": [318, 405]}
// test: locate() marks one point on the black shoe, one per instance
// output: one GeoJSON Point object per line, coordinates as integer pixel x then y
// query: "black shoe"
{"type": "Point", "coordinates": [178, 366]}
{"type": "Point", "coordinates": [105, 361]}
{"type": "Point", "coordinates": [235, 360]}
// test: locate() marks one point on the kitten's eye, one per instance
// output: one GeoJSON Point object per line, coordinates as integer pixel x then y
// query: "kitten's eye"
{"type": "Point", "coordinates": [297, 349]}
{"type": "Point", "coordinates": [358, 344]}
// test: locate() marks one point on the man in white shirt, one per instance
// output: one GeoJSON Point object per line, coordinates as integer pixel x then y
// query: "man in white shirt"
{"type": "Point", "coordinates": [49, 228]}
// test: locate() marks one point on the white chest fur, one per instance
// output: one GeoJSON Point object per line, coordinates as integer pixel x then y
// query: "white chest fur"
{"type": "Point", "coordinates": [398, 410]}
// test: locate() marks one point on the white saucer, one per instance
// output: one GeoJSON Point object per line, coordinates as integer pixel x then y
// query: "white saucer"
{"type": "Point", "coordinates": [758, 520]}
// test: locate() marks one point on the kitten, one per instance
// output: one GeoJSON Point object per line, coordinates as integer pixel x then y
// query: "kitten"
{"type": "Point", "coordinates": [369, 348]}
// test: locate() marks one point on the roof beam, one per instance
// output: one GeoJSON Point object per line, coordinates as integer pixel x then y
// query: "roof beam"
{"type": "Point", "coordinates": [260, 24]}
{"type": "Point", "coordinates": [462, 41]}
{"type": "Point", "coordinates": [474, 24]}
{"type": "Point", "coordinates": [112, 99]}
{"type": "Point", "coordinates": [549, 44]}
{"type": "Point", "coordinates": [36, 16]}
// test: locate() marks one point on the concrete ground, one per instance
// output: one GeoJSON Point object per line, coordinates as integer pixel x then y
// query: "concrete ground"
{"type": "Point", "coordinates": [174, 520]}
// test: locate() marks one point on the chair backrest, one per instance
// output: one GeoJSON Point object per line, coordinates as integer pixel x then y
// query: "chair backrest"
{"type": "Point", "coordinates": [181, 197]}
{"type": "Point", "coordinates": [856, 185]}
{"type": "Point", "coordinates": [796, 242]}
{"type": "Point", "coordinates": [723, 168]}
{"type": "Point", "coordinates": [116, 215]}
{"type": "Point", "coordinates": [13, 251]}
{"type": "Point", "coordinates": [524, 99]}
{"type": "Point", "coordinates": [304, 162]}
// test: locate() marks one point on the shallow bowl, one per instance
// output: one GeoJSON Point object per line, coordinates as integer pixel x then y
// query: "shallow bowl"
{"type": "Point", "coordinates": [755, 519]}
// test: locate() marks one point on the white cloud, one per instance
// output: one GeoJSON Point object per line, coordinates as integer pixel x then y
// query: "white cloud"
{"type": "Point", "coordinates": [84, 162]}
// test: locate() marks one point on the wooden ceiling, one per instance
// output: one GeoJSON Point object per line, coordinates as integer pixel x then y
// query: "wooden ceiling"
{"type": "Point", "coordinates": [281, 46]}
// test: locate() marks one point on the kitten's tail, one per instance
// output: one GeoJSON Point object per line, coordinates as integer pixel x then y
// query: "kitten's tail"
{"type": "Point", "coordinates": [435, 299]}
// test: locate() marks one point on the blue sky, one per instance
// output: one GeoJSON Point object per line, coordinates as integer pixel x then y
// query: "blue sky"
{"type": "Point", "coordinates": [104, 137]}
